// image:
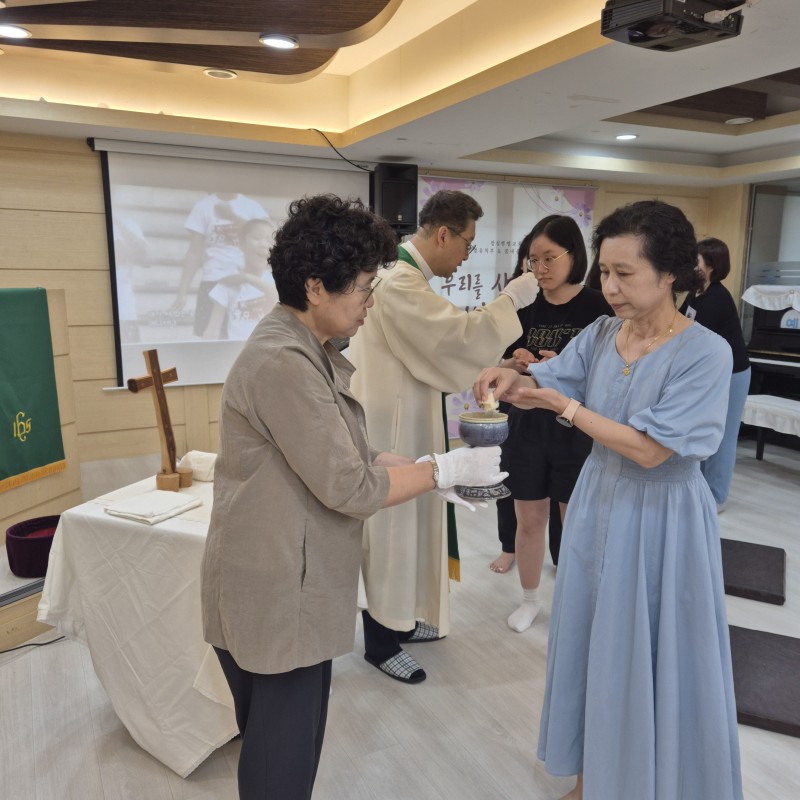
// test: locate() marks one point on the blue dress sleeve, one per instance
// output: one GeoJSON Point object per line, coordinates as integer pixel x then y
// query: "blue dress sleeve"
{"type": "Point", "coordinates": [569, 370]}
{"type": "Point", "coordinates": [688, 416]}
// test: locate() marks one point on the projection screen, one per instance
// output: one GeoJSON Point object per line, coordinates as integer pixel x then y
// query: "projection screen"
{"type": "Point", "coordinates": [188, 239]}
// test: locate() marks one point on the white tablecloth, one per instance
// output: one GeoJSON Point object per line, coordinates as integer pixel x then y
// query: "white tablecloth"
{"type": "Point", "coordinates": [131, 592]}
{"type": "Point", "coordinates": [778, 413]}
{"type": "Point", "coordinates": [773, 298]}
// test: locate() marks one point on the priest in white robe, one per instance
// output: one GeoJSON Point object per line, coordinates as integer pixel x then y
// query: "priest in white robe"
{"type": "Point", "coordinates": [415, 346]}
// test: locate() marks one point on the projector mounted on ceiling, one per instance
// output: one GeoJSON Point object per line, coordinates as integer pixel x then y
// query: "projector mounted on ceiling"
{"type": "Point", "coordinates": [670, 25]}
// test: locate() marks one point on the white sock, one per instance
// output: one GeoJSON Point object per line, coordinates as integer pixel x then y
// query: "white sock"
{"type": "Point", "coordinates": [524, 616]}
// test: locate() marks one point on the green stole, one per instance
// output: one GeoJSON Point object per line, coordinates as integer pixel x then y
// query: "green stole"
{"type": "Point", "coordinates": [453, 560]}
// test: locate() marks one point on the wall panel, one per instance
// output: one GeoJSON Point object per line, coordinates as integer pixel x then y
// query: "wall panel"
{"type": "Point", "coordinates": [98, 410]}
{"type": "Point", "coordinates": [74, 240]}
{"type": "Point", "coordinates": [93, 355]}
{"type": "Point", "coordinates": [38, 180]}
{"type": "Point", "coordinates": [88, 292]}
{"type": "Point", "coordinates": [106, 445]}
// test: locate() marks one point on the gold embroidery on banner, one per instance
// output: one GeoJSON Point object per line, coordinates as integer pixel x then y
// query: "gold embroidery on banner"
{"type": "Point", "coordinates": [22, 426]}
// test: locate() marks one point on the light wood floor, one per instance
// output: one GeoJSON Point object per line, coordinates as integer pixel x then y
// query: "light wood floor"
{"type": "Point", "coordinates": [468, 732]}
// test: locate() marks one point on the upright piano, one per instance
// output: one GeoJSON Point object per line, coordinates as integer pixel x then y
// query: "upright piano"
{"type": "Point", "coordinates": [774, 350]}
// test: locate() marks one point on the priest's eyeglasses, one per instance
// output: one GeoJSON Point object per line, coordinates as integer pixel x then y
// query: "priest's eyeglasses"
{"type": "Point", "coordinates": [546, 262]}
{"type": "Point", "coordinates": [471, 248]}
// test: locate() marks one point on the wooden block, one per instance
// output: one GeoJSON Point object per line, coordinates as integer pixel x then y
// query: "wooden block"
{"type": "Point", "coordinates": [168, 481]}
{"type": "Point", "coordinates": [185, 477]}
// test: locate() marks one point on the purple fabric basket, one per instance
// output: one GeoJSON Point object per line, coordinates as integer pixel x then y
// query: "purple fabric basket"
{"type": "Point", "coordinates": [28, 546]}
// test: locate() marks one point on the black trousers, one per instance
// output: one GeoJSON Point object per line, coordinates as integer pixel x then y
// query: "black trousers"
{"type": "Point", "coordinates": [507, 527]}
{"type": "Point", "coordinates": [281, 718]}
{"type": "Point", "coordinates": [381, 642]}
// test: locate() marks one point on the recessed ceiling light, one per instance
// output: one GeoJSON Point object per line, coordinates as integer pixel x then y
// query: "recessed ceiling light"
{"type": "Point", "coordinates": [738, 120]}
{"type": "Point", "coordinates": [14, 32]}
{"type": "Point", "coordinates": [627, 137]}
{"type": "Point", "coordinates": [278, 41]}
{"type": "Point", "coordinates": [221, 74]}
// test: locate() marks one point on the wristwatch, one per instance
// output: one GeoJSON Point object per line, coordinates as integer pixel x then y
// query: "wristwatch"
{"type": "Point", "coordinates": [565, 417]}
{"type": "Point", "coordinates": [435, 471]}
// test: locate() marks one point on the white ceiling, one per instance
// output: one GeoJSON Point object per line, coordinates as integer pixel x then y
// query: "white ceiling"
{"type": "Point", "coordinates": [549, 123]}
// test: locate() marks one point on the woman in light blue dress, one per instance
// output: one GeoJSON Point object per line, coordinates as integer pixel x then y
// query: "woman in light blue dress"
{"type": "Point", "coordinates": [639, 700]}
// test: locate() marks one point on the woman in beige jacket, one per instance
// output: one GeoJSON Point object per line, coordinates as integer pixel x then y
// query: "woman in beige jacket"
{"type": "Point", "coordinates": [294, 480]}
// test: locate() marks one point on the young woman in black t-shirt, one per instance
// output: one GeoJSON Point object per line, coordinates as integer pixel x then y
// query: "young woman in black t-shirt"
{"type": "Point", "coordinates": [544, 458]}
{"type": "Point", "coordinates": [506, 518]}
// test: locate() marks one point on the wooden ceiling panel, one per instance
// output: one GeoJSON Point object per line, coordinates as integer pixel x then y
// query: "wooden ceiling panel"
{"type": "Point", "coordinates": [252, 59]}
{"type": "Point", "coordinates": [202, 32]}
{"type": "Point", "coordinates": [716, 106]}
{"type": "Point", "coordinates": [312, 17]}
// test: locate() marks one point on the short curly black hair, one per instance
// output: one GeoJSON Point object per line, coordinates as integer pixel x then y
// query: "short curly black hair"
{"type": "Point", "coordinates": [667, 239]}
{"type": "Point", "coordinates": [331, 239]}
{"type": "Point", "coordinates": [450, 208]}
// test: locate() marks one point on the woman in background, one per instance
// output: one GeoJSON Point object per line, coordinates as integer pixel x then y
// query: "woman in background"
{"type": "Point", "coordinates": [714, 308]}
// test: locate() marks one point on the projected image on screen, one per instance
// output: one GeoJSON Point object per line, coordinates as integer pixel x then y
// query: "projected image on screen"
{"type": "Point", "coordinates": [189, 253]}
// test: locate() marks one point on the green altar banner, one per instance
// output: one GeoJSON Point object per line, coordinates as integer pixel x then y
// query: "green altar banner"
{"type": "Point", "coordinates": [30, 427]}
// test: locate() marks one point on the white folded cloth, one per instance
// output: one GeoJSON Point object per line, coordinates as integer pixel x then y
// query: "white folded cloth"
{"type": "Point", "coordinates": [773, 298]}
{"type": "Point", "coordinates": [201, 464]}
{"type": "Point", "coordinates": [153, 506]}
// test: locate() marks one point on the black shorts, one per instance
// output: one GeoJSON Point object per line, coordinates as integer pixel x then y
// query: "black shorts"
{"type": "Point", "coordinates": [542, 457]}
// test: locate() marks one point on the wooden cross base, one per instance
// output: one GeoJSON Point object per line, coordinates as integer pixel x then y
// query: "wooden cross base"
{"type": "Point", "coordinates": [172, 481]}
{"type": "Point", "coordinates": [171, 478]}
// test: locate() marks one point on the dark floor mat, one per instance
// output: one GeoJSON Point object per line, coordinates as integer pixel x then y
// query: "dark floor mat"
{"type": "Point", "coordinates": [754, 571]}
{"type": "Point", "coordinates": [766, 680]}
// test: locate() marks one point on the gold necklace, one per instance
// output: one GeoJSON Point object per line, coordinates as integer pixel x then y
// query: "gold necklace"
{"type": "Point", "coordinates": [626, 370]}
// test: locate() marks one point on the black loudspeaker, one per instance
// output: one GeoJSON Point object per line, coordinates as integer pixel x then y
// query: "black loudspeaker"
{"type": "Point", "coordinates": [393, 195]}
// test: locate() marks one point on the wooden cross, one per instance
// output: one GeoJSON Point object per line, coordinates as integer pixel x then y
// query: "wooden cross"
{"type": "Point", "coordinates": [169, 478]}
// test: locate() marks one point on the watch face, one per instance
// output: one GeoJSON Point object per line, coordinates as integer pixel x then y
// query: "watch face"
{"type": "Point", "coordinates": [564, 421]}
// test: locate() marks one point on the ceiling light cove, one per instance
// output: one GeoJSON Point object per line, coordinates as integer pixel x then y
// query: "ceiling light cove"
{"type": "Point", "coordinates": [278, 41]}
{"type": "Point", "coordinates": [14, 32]}
{"type": "Point", "coordinates": [221, 74]}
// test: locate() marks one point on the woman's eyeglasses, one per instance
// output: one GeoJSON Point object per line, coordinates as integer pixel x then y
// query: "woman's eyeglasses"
{"type": "Point", "coordinates": [368, 290]}
{"type": "Point", "coordinates": [546, 262]}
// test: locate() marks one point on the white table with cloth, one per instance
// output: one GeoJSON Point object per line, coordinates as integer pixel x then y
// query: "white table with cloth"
{"type": "Point", "coordinates": [781, 414]}
{"type": "Point", "coordinates": [131, 592]}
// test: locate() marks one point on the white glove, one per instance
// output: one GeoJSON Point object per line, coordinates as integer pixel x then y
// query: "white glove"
{"type": "Point", "coordinates": [450, 495]}
{"type": "Point", "coordinates": [522, 290]}
{"type": "Point", "coordinates": [469, 466]}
